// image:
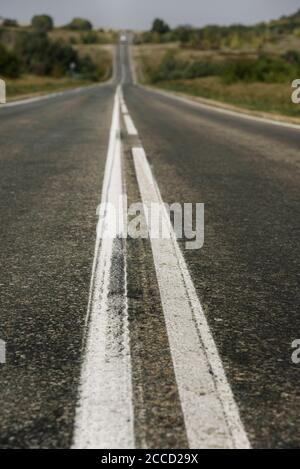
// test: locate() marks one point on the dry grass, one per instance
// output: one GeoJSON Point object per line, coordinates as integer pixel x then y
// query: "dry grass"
{"type": "Point", "coordinates": [32, 85]}
{"type": "Point", "coordinates": [284, 44]}
{"type": "Point", "coordinates": [150, 55]}
{"type": "Point", "coordinates": [65, 35]}
{"type": "Point", "coordinates": [102, 55]}
{"type": "Point", "coordinates": [263, 97]}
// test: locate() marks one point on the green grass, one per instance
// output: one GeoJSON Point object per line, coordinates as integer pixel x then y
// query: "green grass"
{"type": "Point", "coordinates": [32, 85]}
{"type": "Point", "coordinates": [254, 96]}
{"type": "Point", "coordinates": [263, 97]}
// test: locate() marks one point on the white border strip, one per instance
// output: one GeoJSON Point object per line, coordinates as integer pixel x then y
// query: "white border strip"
{"type": "Point", "coordinates": [104, 416]}
{"type": "Point", "coordinates": [211, 415]}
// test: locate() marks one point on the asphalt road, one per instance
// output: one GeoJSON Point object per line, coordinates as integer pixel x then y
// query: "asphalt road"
{"type": "Point", "coordinates": [52, 158]}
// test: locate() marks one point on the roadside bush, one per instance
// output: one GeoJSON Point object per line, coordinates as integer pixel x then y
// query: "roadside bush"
{"type": "Point", "coordinates": [43, 57]}
{"type": "Point", "coordinates": [200, 69]}
{"type": "Point", "coordinates": [79, 24]}
{"type": "Point", "coordinates": [159, 26]}
{"type": "Point", "coordinates": [240, 70]}
{"type": "Point", "coordinates": [10, 65]}
{"type": "Point", "coordinates": [88, 69]}
{"type": "Point", "coordinates": [90, 38]}
{"type": "Point", "coordinates": [292, 56]}
{"type": "Point", "coordinates": [172, 68]}
{"type": "Point", "coordinates": [273, 70]}
{"type": "Point", "coordinates": [267, 69]}
{"type": "Point", "coordinates": [40, 56]}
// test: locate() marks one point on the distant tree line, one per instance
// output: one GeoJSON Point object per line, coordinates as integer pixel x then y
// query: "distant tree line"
{"type": "Point", "coordinates": [267, 69]}
{"type": "Point", "coordinates": [216, 37]}
{"type": "Point", "coordinates": [46, 23]}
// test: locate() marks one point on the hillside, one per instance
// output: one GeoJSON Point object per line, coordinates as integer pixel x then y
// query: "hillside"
{"type": "Point", "coordinates": [246, 66]}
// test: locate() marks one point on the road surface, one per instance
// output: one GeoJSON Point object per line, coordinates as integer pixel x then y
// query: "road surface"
{"type": "Point", "coordinates": [139, 342]}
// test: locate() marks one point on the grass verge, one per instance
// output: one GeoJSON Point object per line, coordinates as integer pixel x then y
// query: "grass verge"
{"type": "Point", "coordinates": [31, 85]}
{"type": "Point", "coordinates": [262, 97]}
{"type": "Point", "coordinates": [272, 98]}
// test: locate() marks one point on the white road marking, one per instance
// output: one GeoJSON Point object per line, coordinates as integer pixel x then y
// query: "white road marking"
{"type": "Point", "coordinates": [31, 100]}
{"type": "Point", "coordinates": [104, 416]}
{"type": "Point", "coordinates": [124, 108]}
{"type": "Point", "coordinates": [132, 66]}
{"type": "Point", "coordinates": [211, 415]}
{"type": "Point", "coordinates": [130, 127]}
{"type": "Point", "coordinates": [221, 110]}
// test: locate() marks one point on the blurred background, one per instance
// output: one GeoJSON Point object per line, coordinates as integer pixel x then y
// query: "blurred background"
{"type": "Point", "coordinates": [244, 54]}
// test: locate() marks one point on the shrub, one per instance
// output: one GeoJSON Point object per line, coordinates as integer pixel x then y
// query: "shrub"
{"type": "Point", "coordinates": [88, 69]}
{"type": "Point", "coordinates": [40, 56]}
{"type": "Point", "coordinates": [292, 56]}
{"type": "Point", "coordinates": [240, 70]}
{"type": "Point", "coordinates": [80, 24]}
{"type": "Point", "coordinates": [172, 68]}
{"type": "Point", "coordinates": [200, 69]}
{"type": "Point", "coordinates": [160, 27]}
{"type": "Point", "coordinates": [10, 65]}
{"type": "Point", "coordinates": [265, 69]}
{"type": "Point", "coordinates": [43, 57]}
{"type": "Point", "coordinates": [90, 38]}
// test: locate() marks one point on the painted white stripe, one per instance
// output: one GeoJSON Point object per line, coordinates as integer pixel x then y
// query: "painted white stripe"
{"type": "Point", "coordinates": [124, 108]}
{"type": "Point", "coordinates": [130, 127]}
{"type": "Point", "coordinates": [220, 110]}
{"type": "Point", "coordinates": [104, 416]}
{"type": "Point", "coordinates": [211, 415]}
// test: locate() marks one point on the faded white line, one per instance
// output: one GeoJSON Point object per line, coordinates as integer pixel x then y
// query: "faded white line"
{"type": "Point", "coordinates": [211, 415]}
{"type": "Point", "coordinates": [130, 127]}
{"type": "Point", "coordinates": [124, 108]}
{"type": "Point", "coordinates": [104, 415]}
{"type": "Point", "coordinates": [132, 66]}
{"type": "Point", "coordinates": [220, 110]}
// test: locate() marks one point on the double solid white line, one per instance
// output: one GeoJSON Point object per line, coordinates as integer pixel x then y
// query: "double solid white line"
{"type": "Point", "coordinates": [130, 127]}
{"type": "Point", "coordinates": [104, 417]}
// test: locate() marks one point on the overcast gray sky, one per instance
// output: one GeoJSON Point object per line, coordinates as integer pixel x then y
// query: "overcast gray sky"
{"type": "Point", "coordinates": [138, 14]}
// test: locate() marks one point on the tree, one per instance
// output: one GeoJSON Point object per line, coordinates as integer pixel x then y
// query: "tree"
{"type": "Point", "coordinates": [90, 37]}
{"type": "Point", "coordinates": [80, 24]}
{"type": "Point", "coordinates": [42, 23]}
{"type": "Point", "coordinates": [10, 23]}
{"type": "Point", "coordinates": [160, 27]}
{"type": "Point", "coordinates": [41, 56]}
